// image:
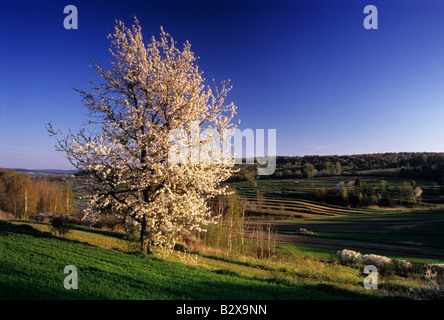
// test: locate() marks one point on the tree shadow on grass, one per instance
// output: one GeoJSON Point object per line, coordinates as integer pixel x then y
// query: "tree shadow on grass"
{"type": "Point", "coordinates": [26, 229]}
{"type": "Point", "coordinates": [209, 285]}
{"type": "Point", "coordinates": [8, 227]}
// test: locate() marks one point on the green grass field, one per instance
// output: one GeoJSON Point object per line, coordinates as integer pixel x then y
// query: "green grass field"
{"type": "Point", "coordinates": [32, 264]}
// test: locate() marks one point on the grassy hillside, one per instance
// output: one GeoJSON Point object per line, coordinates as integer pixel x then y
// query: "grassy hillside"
{"type": "Point", "coordinates": [32, 264]}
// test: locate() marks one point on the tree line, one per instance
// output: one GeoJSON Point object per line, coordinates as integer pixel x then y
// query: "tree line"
{"type": "Point", "coordinates": [24, 196]}
{"type": "Point", "coordinates": [414, 165]}
{"type": "Point", "coordinates": [357, 193]}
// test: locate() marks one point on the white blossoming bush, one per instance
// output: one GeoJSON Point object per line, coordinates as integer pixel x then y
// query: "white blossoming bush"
{"type": "Point", "coordinates": [401, 266]}
{"type": "Point", "coordinates": [380, 262]}
{"type": "Point", "coordinates": [438, 266]}
{"type": "Point", "coordinates": [435, 269]}
{"type": "Point", "coordinates": [305, 232]}
{"type": "Point", "coordinates": [430, 274]}
{"type": "Point", "coordinates": [348, 256]}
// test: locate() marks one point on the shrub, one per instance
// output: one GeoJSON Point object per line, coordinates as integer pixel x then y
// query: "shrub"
{"type": "Point", "coordinates": [60, 224]}
{"type": "Point", "coordinates": [380, 262]}
{"type": "Point", "coordinates": [348, 256]}
{"type": "Point", "coordinates": [401, 266]}
{"type": "Point", "coordinates": [430, 274]}
{"type": "Point", "coordinates": [305, 232]}
{"type": "Point", "coordinates": [181, 247]}
{"type": "Point", "coordinates": [432, 269]}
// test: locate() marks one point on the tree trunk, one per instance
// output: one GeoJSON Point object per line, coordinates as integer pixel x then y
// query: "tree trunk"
{"type": "Point", "coordinates": [145, 245]}
{"type": "Point", "coordinates": [26, 204]}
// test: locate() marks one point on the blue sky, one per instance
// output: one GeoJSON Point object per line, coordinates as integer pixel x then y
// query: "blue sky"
{"type": "Point", "coordinates": [308, 69]}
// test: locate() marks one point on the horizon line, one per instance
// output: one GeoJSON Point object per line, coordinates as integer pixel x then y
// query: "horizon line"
{"type": "Point", "coordinates": [291, 156]}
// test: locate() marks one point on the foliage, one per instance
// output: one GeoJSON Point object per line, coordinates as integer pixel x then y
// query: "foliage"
{"type": "Point", "coordinates": [350, 256]}
{"type": "Point", "coordinates": [413, 165]}
{"type": "Point", "coordinates": [308, 170]}
{"type": "Point", "coordinates": [25, 197]}
{"type": "Point", "coordinates": [385, 264]}
{"type": "Point", "coordinates": [402, 266]}
{"type": "Point", "coordinates": [378, 261]}
{"type": "Point", "coordinates": [406, 193]}
{"type": "Point", "coordinates": [60, 224]}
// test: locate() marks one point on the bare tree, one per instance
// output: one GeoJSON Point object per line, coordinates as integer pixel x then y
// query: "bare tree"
{"type": "Point", "coordinates": [417, 193]}
{"type": "Point", "coordinates": [28, 196]}
{"type": "Point", "coordinates": [68, 199]}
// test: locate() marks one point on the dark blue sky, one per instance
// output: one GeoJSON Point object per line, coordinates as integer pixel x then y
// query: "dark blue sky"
{"type": "Point", "coordinates": [306, 68]}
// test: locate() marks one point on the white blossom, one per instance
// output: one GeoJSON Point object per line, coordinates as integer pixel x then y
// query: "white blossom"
{"type": "Point", "coordinates": [376, 260]}
{"type": "Point", "coordinates": [401, 265]}
{"type": "Point", "coordinates": [348, 256]}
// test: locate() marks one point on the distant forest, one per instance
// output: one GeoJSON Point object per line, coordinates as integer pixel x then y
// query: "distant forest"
{"type": "Point", "coordinates": [414, 165]}
{"type": "Point", "coordinates": [24, 196]}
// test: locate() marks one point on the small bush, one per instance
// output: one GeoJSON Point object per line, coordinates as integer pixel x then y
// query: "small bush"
{"type": "Point", "coordinates": [307, 232]}
{"type": "Point", "coordinates": [380, 262]}
{"type": "Point", "coordinates": [352, 257]}
{"type": "Point", "coordinates": [402, 267]}
{"type": "Point", "coordinates": [181, 247]}
{"type": "Point", "coordinates": [60, 225]}
{"type": "Point", "coordinates": [348, 256]}
{"type": "Point", "coordinates": [432, 271]}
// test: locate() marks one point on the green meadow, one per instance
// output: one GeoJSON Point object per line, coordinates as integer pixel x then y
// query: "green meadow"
{"type": "Point", "coordinates": [299, 265]}
{"type": "Point", "coordinates": [32, 264]}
